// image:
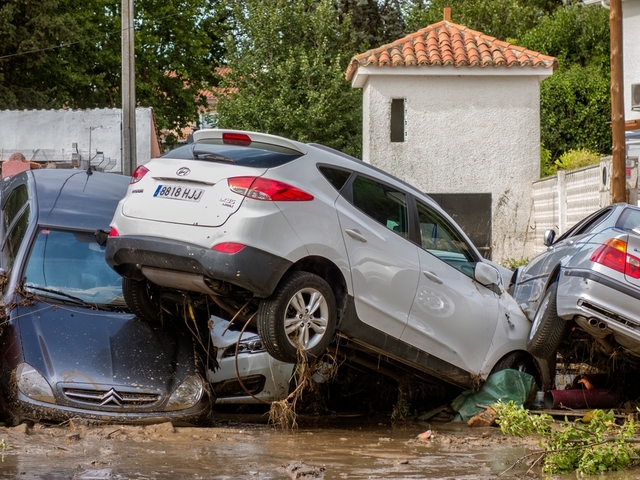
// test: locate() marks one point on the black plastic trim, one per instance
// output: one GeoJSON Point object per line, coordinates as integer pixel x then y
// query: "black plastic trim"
{"type": "Point", "coordinates": [252, 269]}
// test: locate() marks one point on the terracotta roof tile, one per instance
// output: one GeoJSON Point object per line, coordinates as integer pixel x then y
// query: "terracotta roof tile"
{"type": "Point", "coordinates": [445, 43]}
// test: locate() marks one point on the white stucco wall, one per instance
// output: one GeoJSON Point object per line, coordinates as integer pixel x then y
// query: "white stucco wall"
{"type": "Point", "coordinates": [465, 134]}
{"type": "Point", "coordinates": [631, 52]}
{"type": "Point", "coordinates": [56, 130]}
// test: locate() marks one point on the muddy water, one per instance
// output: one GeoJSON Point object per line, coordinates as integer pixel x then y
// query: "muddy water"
{"type": "Point", "coordinates": [339, 448]}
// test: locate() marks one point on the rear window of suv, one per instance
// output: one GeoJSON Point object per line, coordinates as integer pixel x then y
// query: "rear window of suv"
{"type": "Point", "coordinates": [258, 155]}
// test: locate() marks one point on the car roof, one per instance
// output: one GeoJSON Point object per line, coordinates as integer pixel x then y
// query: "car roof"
{"type": "Point", "coordinates": [74, 199]}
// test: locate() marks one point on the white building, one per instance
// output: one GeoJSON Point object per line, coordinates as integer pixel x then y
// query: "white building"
{"type": "Point", "coordinates": [62, 135]}
{"type": "Point", "coordinates": [451, 110]}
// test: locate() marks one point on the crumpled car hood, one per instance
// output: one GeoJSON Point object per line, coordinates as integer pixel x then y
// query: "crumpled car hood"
{"type": "Point", "coordinates": [69, 344]}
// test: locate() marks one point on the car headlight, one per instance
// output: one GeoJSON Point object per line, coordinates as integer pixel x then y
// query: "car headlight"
{"type": "Point", "coordinates": [33, 384]}
{"type": "Point", "coordinates": [245, 346]}
{"type": "Point", "coordinates": [186, 395]}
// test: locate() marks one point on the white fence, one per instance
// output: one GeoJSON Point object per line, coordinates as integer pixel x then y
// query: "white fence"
{"type": "Point", "coordinates": [559, 202]}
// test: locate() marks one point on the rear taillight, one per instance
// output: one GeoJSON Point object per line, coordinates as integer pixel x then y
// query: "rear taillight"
{"type": "Point", "coordinates": [138, 173]}
{"type": "Point", "coordinates": [228, 247]}
{"type": "Point", "coordinates": [236, 139]}
{"type": "Point", "coordinates": [613, 254]}
{"type": "Point", "coordinates": [113, 232]}
{"type": "Point", "coordinates": [260, 188]}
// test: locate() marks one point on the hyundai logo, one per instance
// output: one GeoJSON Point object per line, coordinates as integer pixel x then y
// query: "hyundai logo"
{"type": "Point", "coordinates": [183, 172]}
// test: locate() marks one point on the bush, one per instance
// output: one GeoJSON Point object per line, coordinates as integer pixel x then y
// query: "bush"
{"type": "Point", "coordinates": [576, 159]}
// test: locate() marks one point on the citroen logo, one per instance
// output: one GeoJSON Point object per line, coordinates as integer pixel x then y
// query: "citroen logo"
{"type": "Point", "coordinates": [181, 172]}
{"type": "Point", "coordinates": [111, 397]}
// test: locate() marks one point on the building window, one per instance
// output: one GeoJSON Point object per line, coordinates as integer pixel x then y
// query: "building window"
{"type": "Point", "coordinates": [397, 119]}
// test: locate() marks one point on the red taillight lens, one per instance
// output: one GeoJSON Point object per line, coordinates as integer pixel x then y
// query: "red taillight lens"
{"type": "Point", "coordinates": [138, 173]}
{"type": "Point", "coordinates": [113, 232]}
{"type": "Point", "coordinates": [260, 188]}
{"type": "Point", "coordinates": [236, 139]}
{"type": "Point", "coordinates": [228, 247]}
{"type": "Point", "coordinates": [613, 254]}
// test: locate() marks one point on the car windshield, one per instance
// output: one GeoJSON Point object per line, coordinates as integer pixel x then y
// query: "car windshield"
{"type": "Point", "coordinates": [70, 266]}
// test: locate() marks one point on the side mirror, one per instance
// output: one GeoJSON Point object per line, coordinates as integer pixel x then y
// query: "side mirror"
{"type": "Point", "coordinates": [548, 237]}
{"type": "Point", "coordinates": [487, 275]}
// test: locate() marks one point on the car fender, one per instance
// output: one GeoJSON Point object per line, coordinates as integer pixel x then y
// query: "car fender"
{"type": "Point", "coordinates": [510, 334]}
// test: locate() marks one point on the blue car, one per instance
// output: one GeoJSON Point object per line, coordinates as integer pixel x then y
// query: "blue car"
{"type": "Point", "coordinates": [69, 345]}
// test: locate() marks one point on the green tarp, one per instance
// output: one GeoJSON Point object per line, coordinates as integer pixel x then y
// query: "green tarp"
{"type": "Point", "coordinates": [504, 385]}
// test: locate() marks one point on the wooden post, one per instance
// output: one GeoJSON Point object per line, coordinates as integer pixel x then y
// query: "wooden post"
{"type": "Point", "coordinates": [618, 167]}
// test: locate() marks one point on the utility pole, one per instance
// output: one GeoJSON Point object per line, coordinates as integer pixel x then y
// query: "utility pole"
{"type": "Point", "coordinates": [129, 160]}
{"type": "Point", "coordinates": [619, 157]}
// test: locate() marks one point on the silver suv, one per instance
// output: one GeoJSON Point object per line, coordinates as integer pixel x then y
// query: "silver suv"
{"type": "Point", "coordinates": [312, 245]}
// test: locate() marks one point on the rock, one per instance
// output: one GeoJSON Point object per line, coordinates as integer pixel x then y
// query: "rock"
{"type": "Point", "coordinates": [72, 437]}
{"type": "Point", "coordinates": [483, 419]}
{"type": "Point", "coordinates": [22, 428]}
{"type": "Point", "coordinates": [300, 470]}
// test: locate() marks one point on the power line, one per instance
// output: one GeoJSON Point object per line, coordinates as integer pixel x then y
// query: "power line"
{"type": "Point", "coordinates": [89, 39]}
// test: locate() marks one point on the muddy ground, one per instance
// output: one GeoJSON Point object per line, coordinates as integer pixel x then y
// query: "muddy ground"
{"type": "Point", "coordinates": [332, 447]}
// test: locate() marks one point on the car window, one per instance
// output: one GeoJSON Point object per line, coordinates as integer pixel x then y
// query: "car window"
{"type": "Point", "coordinates": [258, 155]}
{"type": "Point", "coordinates": [72, 263]}
{"type": "Point", "coordinates": [586, 225]}
{"type": "Point", "coordinates": [630, 220]}
{"type": "Point", "coordinates": [336, 177]}
{"type": "Point", "coordinates": [385, 204]}
{"type": "Point", "coordinates": [441, 239]}
{"type": "Point", "coordinates": [15, 202]}
{"type": "Point", "coordinates": [14, 240]}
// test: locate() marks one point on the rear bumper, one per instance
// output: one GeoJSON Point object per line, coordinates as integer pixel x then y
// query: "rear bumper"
{"type": "Point", "coordinates": [250, 268]}
{"type": "Point", "coordinates": [593, 295]}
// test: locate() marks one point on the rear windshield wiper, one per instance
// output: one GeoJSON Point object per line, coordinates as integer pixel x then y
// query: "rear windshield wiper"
{"type": "Point", "coordinates": [212, 156]}
{"type": "Point", "coordinates": [76, 300]}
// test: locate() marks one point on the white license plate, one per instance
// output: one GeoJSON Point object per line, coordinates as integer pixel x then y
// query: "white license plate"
{"type": "Point", "coordinates": [179, 193]}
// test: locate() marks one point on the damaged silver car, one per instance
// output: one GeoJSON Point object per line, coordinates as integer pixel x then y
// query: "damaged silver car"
{"type": "Point", "coordinates": [588, 277]}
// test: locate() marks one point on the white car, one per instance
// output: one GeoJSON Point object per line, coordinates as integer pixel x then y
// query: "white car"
{"type": "Point", "coordinates": [246, 373]}
{"type": "Point", "coordinates": [313, 246]}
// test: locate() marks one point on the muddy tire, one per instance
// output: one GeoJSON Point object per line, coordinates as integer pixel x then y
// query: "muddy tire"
{"type": "Point", "coordinates": [300, 315]}
{"type": "Point", "coordinates": [547, 329]}
{"type": "Point", "coordinates": [142, 298]}
{"type": "Point", "coordinates": [520, 361]}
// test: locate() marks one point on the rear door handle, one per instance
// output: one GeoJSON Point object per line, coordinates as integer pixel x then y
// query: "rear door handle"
{"type": "Point", "coordinates": [356, 234]}
{"type": "Point", "coordinates": [433, 277]}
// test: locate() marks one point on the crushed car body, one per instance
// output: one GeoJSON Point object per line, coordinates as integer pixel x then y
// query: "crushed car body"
{"type": "Point", "coordinates": [588, 277]}
{"type": "Point", "coordinates": [313, 246]}
{"type": "Point", "coordinates": [69, 346]}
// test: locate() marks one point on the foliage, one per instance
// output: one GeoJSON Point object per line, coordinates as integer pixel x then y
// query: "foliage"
{"type": "Point", "coordinates": [513, 263]}
{"type": "Point", "coordinates": [576, 159]}
{"type": "Point", "coordinates": [503, 19]}
{"type": "Point", "coordinates": [66, 54]}
{"type": "Point", "coordinates": [595, 445]}
{"type": "Point", "coordinates": [575, 102]}
{"type": "Point", "coordinates": [547, 166]}
{"type": "Point", "coordinates": [287, 60]}
{"type": "Point", "coordinates": [575, 108]}
{"type": "Point", "coordinates": [515, 420]}
{"type": "Point", "coordinates": [374, 22]}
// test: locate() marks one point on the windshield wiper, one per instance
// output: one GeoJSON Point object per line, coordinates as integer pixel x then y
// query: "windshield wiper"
{"type": "Point", "coordinates": [77, 300]}
{"type": "Point", "coordinates": [212, 156]}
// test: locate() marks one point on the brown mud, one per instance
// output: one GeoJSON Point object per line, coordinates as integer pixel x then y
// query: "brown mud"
{"type": "Point", "coordinates": [337, 447]}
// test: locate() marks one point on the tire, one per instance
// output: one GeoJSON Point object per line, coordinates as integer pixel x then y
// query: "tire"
{"type": "Point", "coordinates": [288, 322]}
{"type": "Point", "coordinates": [140, 298]}
{"type": "Point", "coordinates": [548, 329]}
{"type": "Point", "coordinates": [520, 361]}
